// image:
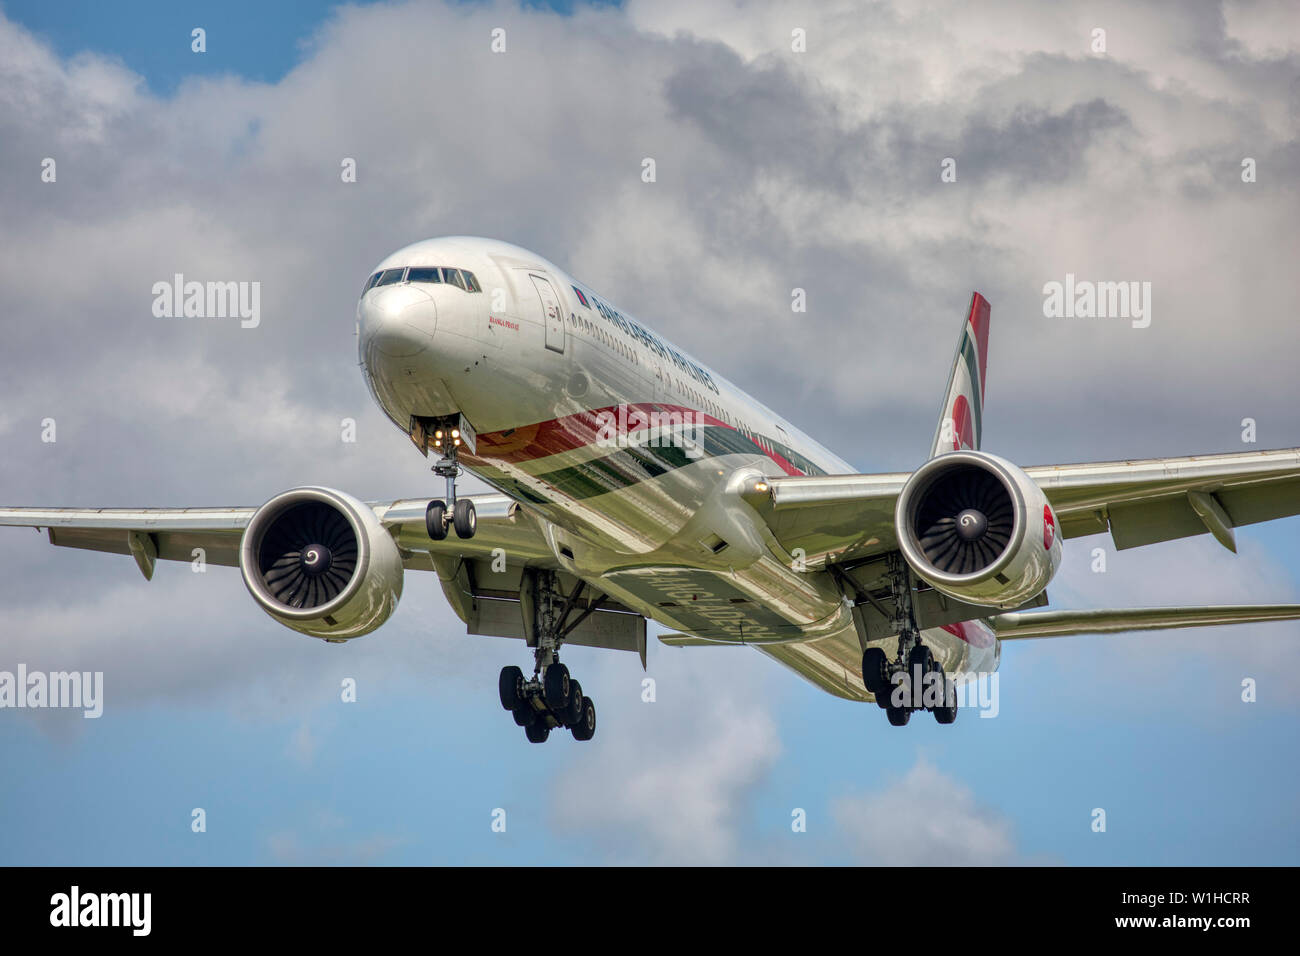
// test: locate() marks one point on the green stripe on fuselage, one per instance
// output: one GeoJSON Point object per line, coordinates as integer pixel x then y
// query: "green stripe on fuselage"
{"type": "Point", "coordinates": [624, 467]}
{"type": "Point", "coordinates": [635, 463]}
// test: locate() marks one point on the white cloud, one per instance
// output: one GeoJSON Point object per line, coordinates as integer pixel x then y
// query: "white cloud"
{"type": "Point", "coordinates": [924, 818]}
{"type": "Point", "coordinates": [776, 170]}
{"type": "Point", "coordinates": [1266, 28]}
{"type": "Point", "coordinates": [672, 781]}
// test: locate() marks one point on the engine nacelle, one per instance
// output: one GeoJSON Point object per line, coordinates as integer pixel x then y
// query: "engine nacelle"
{"type": "Point", "coordinates": [319, 561]}
{"type": "Point", "coordinates": [977, 528]}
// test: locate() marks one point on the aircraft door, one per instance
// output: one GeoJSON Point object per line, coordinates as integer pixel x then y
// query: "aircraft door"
{"type": "Point", "coordinates": [552, 312]}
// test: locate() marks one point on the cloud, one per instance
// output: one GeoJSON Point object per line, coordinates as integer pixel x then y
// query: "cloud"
{"type": "Point", "coordinates": [1142, 673]}
{"type": "Point", "coordinates": [776, 170]}
{"type": "Point", "coordinates": [672, 781]}
{"type": "Point", "coordinates": [186, 639]}
{"type": "Point", "coordinates": [924, 818]}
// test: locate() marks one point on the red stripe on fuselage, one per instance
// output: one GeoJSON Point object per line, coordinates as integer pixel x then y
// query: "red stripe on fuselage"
{"type": "Point", "coordinates": [554, 437]}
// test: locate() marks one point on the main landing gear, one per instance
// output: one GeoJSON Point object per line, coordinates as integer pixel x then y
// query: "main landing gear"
{"type": "Point", "coordinates": [458, 514]}
{"type": "Point", "coordinates": [551, 699]}
{"type": "Point", "coordinates": [914, 680]}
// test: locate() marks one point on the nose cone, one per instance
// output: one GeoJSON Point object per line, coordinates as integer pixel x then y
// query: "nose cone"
{"type": "Point", "coordinates": [397, 321]}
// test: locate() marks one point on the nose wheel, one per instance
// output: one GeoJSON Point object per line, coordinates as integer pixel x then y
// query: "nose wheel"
{"type": "Point", "coordinates": [458, 513]}
{"type": "Point", "coordinates": [462, 517]}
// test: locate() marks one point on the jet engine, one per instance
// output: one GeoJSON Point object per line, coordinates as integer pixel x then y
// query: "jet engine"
{"type": "Point", "coordinates": [978, 529]}
{"type": "Point", "coordinates": [319, 561]}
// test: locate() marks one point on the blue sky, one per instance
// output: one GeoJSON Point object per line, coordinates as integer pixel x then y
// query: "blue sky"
{"type": "Point", "coordinates": [255, 40]}
{"type": "Point", "coordinates": [258, 41]}
{"type": "Point", "coordinates": [212, 705]}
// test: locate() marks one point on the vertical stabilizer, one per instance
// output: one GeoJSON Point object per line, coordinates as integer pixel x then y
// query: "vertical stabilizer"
{"type": "Point", "coordinates": [961, 418]}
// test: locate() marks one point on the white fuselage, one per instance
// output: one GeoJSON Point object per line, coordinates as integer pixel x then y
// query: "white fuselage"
{"type": "Point", "coordinates": [623, 443]}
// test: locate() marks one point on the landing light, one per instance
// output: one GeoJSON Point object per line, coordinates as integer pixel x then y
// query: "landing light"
{"type": "Point", "coordinates": [760, 486]}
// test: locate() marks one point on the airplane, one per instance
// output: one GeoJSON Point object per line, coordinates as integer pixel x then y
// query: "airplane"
{"type": "Point", "coordinates": [634, 483]}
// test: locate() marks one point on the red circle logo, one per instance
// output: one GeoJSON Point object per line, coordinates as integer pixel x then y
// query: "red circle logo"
{"type": "Point", "coordinates": [963, 429]}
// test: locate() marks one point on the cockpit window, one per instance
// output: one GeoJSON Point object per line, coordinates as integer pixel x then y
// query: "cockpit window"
{"type": "Point", "coordinates": [460, 278]}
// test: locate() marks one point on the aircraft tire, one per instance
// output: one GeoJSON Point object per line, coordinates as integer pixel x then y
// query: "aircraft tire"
{"type": "Point", "coordinates": [508, 685]}
{"type": "Point", "coordinates": [573, 716]}
{"type": "Point", "coordinates": [464, 518]}
{"type": "Point", "coordinates": [875, 667]}
{"type": "Point", "coordinates": [557, 688]}
{"type": "Point", "coordinates": [585, 729]}
{"type": "Point", "coordinates": [435, 519]}
{"type": "Point", "coordinates": [946, 713]}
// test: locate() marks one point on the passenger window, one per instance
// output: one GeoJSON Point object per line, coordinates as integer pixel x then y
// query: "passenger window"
{"type": "Point", "coordinates": [389, 276]}
{"type": "Point", "coordinates": [423, 274]}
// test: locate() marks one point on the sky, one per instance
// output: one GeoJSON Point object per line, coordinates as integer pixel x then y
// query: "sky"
{"type": "Point", "coordinates": [776, 169]}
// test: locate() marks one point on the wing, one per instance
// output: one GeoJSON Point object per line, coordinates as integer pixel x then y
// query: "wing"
{"type": "Point", "coordinates": [1160, 499]}
{"type": "Point", "coordinates": [836, 519]}
{"type": "Point", "coordinates": [1018, 624]}
{"type": "Point", "coordinates": [173, 534]}
{"type": "Point", "coordinates": [482, 577]}
{"type": "Point", "coordinates": [833, 519]}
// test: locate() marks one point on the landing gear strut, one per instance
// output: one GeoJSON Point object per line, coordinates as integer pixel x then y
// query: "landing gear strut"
{"type": "Point", "coordinates": [450, 513]}
{"type": "Point", "coordinates": [914, 680]}
{"type": "Point", "coordinates": [551, 699]}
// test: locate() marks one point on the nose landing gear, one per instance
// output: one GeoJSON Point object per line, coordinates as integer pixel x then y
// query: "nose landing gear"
{"type": "Point", "coordinates": [453, 512]}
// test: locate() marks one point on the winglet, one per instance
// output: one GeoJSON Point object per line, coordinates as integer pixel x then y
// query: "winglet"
{"type": "Point", "coordinates": [961, 418]}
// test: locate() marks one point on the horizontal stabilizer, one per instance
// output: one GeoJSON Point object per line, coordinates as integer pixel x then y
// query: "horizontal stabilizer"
{"type": "Point", "coordinates": [1018, 624]}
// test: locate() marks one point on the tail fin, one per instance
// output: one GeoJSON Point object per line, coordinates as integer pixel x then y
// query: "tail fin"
{"type": "Point", "coordinates": [962, 416]}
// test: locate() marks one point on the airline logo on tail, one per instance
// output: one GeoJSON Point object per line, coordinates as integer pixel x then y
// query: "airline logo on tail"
{"type": "Point", "coordinates": [961, 420]}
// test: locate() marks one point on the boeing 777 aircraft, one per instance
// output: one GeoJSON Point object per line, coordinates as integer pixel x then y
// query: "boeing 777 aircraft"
{"type": "Point", "coordinates": [635, 483]}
